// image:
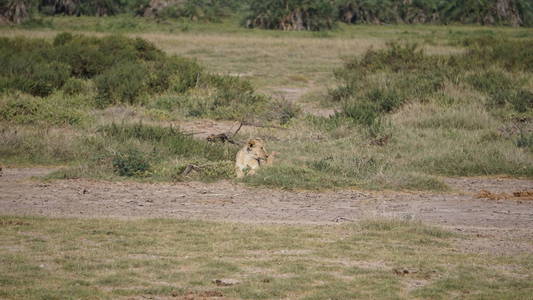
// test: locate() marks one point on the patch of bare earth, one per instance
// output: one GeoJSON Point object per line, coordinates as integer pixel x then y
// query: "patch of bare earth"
{"type": "Point", "coordinates": [499, 225]}
{"type": "Point", "coordinates": [295, 95]}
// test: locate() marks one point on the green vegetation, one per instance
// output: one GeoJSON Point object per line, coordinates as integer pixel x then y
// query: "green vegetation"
{"type": "Point", "coordinates": [489, 12]}
{"type": "Point", "coordinates": [322, 14]}
{"type": "Point", "coordinates": [405, 117]}
{"type": "Point", "coordinates": [53, 93]}
{"type": "Point", "coordinates": [385, 259]}
{"type": "Point", "coordinates": [121, 70]}
{"type": "Point", "coordinates": [450, 102]}
{"type": "Point", "coordinates": [284, 15]}
{"type": "Point", "coordinates": [291, 15]}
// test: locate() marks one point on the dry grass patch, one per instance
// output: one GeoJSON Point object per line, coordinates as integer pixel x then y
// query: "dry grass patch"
{"type": "Point", "coordinates": [109, 259]}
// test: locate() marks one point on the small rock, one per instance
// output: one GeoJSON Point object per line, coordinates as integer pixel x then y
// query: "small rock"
{"type": "Point", "coordinates": [225, 282]}
{"type": "Point", "coordinates": [403, 271]}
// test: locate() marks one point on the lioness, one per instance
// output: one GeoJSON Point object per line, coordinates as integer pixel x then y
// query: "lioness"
{"type": "Point", "coordinates": [251, 157]}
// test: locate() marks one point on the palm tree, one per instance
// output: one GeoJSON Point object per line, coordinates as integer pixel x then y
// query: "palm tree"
{"type": "Point", "coordinates": [14, 11]}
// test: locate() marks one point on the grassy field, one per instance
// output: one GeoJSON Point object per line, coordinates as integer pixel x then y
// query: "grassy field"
{"type": "Point", "coordinates": [375, 259]}
{"type": "Point", "coordinates": [457, 104]}
{"type": "Point", "coordinates": [446, 114]}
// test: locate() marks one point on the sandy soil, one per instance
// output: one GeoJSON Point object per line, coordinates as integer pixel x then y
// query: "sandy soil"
{"type": "Point", "coordinates": [502, 226]}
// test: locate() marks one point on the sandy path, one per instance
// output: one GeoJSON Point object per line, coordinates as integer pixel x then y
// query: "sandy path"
{"type": "Point", "coordinates": [500, 221]}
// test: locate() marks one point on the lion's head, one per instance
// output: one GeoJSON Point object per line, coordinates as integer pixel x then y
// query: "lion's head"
{"type": "Point", "coordinates": [256, 147]}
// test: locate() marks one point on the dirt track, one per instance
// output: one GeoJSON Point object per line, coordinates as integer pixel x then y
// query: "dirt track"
{"type": "Point", "coordinates": [502, 222]}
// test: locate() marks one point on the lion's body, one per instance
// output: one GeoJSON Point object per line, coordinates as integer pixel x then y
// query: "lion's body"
{"type": "Point", "coordinates": [252, 156]}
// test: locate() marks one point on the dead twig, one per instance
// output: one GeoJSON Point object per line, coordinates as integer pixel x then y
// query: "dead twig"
{"type": "Point", "coordinates": [221, 137]}
{"type": "Point", "coordinates": [236, 131]}
{"type": "Point", "coordinates": [190, 168]}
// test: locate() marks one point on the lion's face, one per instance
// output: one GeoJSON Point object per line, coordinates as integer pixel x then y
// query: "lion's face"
{"type": "Point", "coordinates": [256, 147]}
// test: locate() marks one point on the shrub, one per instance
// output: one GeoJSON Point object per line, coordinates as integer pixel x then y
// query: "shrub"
{"type": "Point", "coordinates": [121, 84]}
{"type": "Point", "coordinates": [502, 90]}
{"type": "Point", "coordinates": [522, 101]}
{"type": "Point", "coordinates": [131, 163]}
{"type": "Point", "coordinates": [182, 74]}
{"type": "Point", "coordinates": [28, 73]}
{"type": "Point", "coordinates": [396, 57]}
{"type": "Point", "coordinates": [124, 70]}
{"type": "Point", "coordinates": [513, 55]}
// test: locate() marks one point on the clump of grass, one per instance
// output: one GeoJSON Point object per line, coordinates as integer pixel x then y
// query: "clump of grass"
{"type": "Point", "coordinates": [25, 109]}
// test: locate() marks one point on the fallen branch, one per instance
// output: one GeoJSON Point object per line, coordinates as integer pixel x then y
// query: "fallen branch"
{"type": "Point", "coordinates": [190, 168]}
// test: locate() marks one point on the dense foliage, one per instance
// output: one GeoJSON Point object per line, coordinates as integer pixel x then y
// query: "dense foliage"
{"type": "Point", "coordinates": [289, 14]}
{"type": "Point", "coordinates": [120, 70]}
{"type": "Point", "coordinates": [321, 14]}
{"type": "Point", "coordinates": [292, 15]}
{"type": "Point", "coordinates": [503, 12]}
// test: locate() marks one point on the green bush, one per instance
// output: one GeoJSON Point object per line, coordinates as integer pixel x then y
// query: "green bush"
{"type": "Point", "coordinates": [28, 73]}
{"type": "Point", "coordinates": [186, 74]}
{"type": "Point", "coordinates": [502, 89]}
{"type": "Point", "coordinates": [131, 163]}
{"type": "Point", "coordinates": [124, 83]}
{"type": "Point", "coordinates": [513, 55]}
{"type": "Point", "coordinates": [525, 140]}
{"type": "Point", "coordinates": [124, 70]}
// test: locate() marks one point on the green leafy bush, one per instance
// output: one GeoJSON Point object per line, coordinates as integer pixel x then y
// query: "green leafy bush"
{"type": "Point", "coordinates": [131, 163]}
{"type": "Point", "coordinates": [124, 83]}
{"type": "Point", "coordinates": [123, 70]}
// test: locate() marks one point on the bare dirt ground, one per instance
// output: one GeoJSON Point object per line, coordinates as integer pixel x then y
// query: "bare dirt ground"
{"type": "Point", "coordinates": [501, 226]}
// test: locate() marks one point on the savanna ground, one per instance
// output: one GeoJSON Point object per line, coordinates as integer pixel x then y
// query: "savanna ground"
{"type": "Point", "coordinates": [409, 225]}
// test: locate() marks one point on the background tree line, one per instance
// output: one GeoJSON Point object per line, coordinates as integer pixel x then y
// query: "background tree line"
{"type": "Point", "coordinates": [288, 14]}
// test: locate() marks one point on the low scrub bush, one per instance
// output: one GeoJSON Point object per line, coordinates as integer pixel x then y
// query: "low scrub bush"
{"type": "Point", "coordinates": [125, 71]}
{"type": "Point", "coordinates": [124, 83]}
{"type": "Point", "coordinates": [131, 163]}
{"type": "Point", "coordinates": [410, 75]}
